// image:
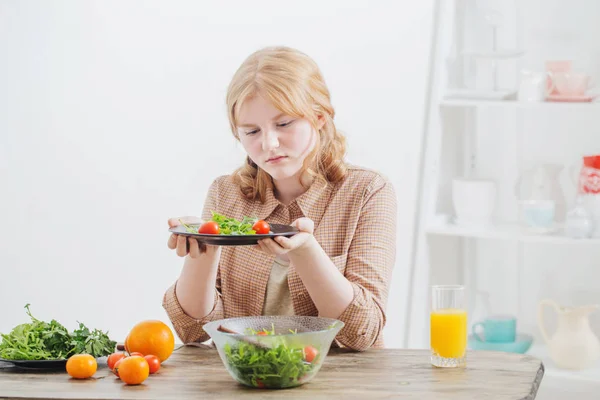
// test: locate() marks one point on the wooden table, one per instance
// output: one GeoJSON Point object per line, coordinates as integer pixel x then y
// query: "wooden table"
{"type": "Point", "coordinates": [198, 373]}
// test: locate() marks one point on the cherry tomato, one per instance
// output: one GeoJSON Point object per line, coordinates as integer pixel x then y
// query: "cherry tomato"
{"type": "Point", "coordinates": [81, 366]}
{"type": "Point", "coordinates": [263, 333]}
{"type": "Point", "coordinates": [113, 358]}
{"type": "Point", "coordinates": [153, 363]}
{"type": "Point", "coordinates": [310, 353]}
{"type": "Point", "coordinates": [115, 369]}
{"type": "Point", "coordinates": [210, 227]}
{"type": "Point", "coordinates": [261, 227]}
{"type": "Point", "coordinates": [133, 370]}
{"type": "Point", "coordinates": [136, 353]}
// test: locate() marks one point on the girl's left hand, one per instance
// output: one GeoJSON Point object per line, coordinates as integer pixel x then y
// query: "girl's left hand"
{"type": "Point", "coordinates": [283, 245]}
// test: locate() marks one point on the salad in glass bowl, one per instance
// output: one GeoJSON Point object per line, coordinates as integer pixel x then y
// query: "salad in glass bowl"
{"type": "Point", "coordinates": [273, 352]}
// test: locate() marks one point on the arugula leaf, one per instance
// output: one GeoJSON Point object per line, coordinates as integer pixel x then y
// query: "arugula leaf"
{"type": "Point", "coordinates": [187, 227]}
{"type": "Point", "coordinates": [39, 340]}
{"type": "Point", "coordinates": [231, 226]}
{"type": "Point", "coordinates": [96, 343]}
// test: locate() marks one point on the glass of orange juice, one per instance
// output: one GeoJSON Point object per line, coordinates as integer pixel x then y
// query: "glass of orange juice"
{"type": "Point", "coordinates": [448, 326]}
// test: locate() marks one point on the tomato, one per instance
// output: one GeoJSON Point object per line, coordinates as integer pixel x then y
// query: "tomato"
{"type": "Point", "coordinates": [81, 366]}
{"type": "Point", "coordinates": [261, 227]}
{"type": "Point", "coordinates": [210, 227]}
{"type": "Point", "coordinates": [115, 369]}
{"type": "Point", "coordinates": [113, 358]}
{"type": "Point", "coordinates": [133, 370]}
{"type": "Point", "coordinates": [310, 353]}
{"type": "Point", "coordinates": [263, 333]}
{"type": "Point", "coordinates": [136, 353]}
{"type": "Point", "coordinates": [153, 363]}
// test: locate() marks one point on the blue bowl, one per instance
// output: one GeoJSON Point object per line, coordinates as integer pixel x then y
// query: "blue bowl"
{"type": "Point", "coordinates": [521, 344]}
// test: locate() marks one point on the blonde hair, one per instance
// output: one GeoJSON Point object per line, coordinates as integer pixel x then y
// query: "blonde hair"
{"type": "Point", "coordinates": [293, 83]}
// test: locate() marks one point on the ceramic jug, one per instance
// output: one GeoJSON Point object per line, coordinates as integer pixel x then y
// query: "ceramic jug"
{"type": "Point", "coordinates": [542, 183]}
{"type": "Point", "coordinates": [573, 345]}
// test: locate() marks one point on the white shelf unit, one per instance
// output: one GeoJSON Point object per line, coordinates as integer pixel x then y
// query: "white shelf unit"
{"type": "Point", "coordinates": [591, 374]}
{"type": "Point", "coordinates": [510, 232]}
{"type": "Point", "coordinates": [511, 104]}
{"type": "Point", "coordinates": [429, 261]}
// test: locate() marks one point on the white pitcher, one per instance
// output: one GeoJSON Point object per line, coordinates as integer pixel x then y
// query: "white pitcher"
{"type": "Point", "coordinates": [573, 345]}
{"type": "Point", "coordinates": [542, 183]}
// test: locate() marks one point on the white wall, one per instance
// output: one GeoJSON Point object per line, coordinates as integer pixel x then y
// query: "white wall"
{"type": "Point", "coordinates": [112, 119]}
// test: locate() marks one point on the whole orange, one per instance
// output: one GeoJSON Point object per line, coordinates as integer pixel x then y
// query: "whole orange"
{"type": "Point", "coordinates": [81, 366]}
{"type": "Point", "coordinates": [151, 337]}
{"type": "Point", "coordinates": [133, 370]}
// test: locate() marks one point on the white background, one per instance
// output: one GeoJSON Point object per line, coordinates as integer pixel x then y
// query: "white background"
{"type": "Point", "coordinates": [112, 119]}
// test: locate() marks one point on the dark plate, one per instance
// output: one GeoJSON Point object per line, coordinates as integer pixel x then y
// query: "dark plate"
{"type": "Point", "coordinates": [37, 364]}
{"type": "Point", "coordinates": [236, 240]}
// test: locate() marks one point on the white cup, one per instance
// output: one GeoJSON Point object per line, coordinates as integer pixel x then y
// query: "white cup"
{"type": "Point", "coordinates": [474, 200]}
{"type": "Point", "coordinates": [533, 86]}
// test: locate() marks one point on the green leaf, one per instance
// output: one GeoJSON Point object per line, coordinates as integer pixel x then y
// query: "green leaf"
{"type": "Point", "coordinates": [231, 226]}
{"type": "Point", "coordinates": [39, 340]}
{"type": "Point", "coordinates": [278, 366]}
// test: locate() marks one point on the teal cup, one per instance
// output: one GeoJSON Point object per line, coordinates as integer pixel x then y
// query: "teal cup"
{"type": "Point", "coordinates": [496, 329]}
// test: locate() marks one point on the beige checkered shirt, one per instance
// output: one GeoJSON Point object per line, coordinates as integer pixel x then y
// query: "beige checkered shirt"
{"type": "Point", "coordinates": [355, 223]}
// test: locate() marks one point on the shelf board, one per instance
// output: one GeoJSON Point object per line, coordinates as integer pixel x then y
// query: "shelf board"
{"type": "Point", "coordinates": [540, 351]}
{"type": "Point", "coordinates": [505, 232]}
{"type": "Point", "coordinates": [499, 54]}
{"type": "Point", "coordinates": [456, 102]}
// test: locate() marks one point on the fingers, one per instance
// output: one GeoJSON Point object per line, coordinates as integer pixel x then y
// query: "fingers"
{"type": "Point", "coordinates": [172, 242]}
{"type": "Point", "coordinates": [284, 242]}
{"type": "Point", "coordinates": [295, 242]}
{"type": "Point", "coordinates": [173, 222]}
{"type": "Point", "coordinates": [304, 225]}
{"type": "Point", "coordinates": [191, 220]}
{"type": "Point", "coordinates": [194, 248]}
{"type": "Point", "coordinates": [262, 247]}
{"type": "Point", "coordinates": [181, 249]}
{"type": "Point", "coordinates": [272, 247]}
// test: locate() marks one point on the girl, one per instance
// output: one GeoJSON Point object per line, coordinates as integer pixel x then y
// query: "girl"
{"type": "Point", "coordinates": [340, 264]}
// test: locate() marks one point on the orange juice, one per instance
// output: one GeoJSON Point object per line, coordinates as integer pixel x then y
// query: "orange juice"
{"type": "Point", "coordinates": [449, 332]}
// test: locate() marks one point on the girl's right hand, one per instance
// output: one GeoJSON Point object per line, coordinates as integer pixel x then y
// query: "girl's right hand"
{"type": "Point", "coordinates": [184, 245]}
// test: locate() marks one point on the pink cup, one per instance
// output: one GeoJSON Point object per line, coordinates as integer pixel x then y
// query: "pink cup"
{"type": "Point", "coordinates": [555, 67]}
{"type": "Point", "coordinates": [571, 83]}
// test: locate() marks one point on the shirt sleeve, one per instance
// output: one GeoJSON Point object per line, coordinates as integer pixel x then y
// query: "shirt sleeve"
{"type": "Point", "coordinates": [189, 329]}
{"type": "Point", "coordinates": [371, 258]}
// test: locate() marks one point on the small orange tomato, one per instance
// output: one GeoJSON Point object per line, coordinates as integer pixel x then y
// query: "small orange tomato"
{"type": "Point", "coordinates": [81, 366]}
{"type": "Point", "coordinates": [115, 369]}
{"type": "Point", "coordinates": [310, 353]}
{"type": "Point", "coordinates": [113, 358]}
{"type": "Point", "coordinates": [153, 363]}
{"type": "Point", "coordinates": [133, 370]}
{"type": "Point", "coordinates": [136, 353]}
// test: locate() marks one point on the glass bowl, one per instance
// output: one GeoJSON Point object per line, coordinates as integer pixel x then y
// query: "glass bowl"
{"type": "Point", "coordinates": [273, 352]}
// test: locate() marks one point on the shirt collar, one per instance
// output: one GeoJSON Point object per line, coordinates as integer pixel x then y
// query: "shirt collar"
{"type": "Point", "coordinates": [313, 202]}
